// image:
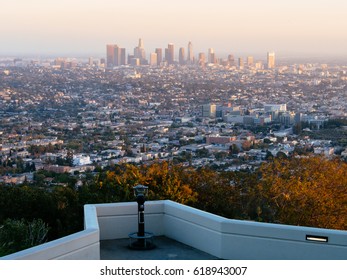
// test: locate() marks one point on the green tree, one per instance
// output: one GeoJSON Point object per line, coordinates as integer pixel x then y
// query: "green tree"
{"type": "Point", "coordinates": [16, 235]}
{"type": "Point", "coordinates": [69, 158]}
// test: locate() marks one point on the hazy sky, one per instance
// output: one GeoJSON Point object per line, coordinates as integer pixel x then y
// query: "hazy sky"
{"type": "Point", "coordinates": [289, 27]}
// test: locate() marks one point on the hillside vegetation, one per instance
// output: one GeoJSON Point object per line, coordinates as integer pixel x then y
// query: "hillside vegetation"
{"type": "Point", "coordinates": [298, 191]}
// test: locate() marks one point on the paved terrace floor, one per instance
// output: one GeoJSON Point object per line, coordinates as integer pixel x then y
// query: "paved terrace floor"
{"type": "Point", "coordinates": [166, 249]}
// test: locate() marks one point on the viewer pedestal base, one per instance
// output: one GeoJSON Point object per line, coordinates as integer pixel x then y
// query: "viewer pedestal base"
{"type": "Point", "coordinates": [141, 242]}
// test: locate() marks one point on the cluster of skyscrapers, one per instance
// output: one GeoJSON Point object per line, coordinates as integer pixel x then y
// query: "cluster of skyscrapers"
{"type": "Point", "coordinates": [116, 56]}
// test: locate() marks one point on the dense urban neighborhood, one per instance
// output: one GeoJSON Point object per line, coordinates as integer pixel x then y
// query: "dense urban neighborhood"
{"type": "Point", "coordinates": [68, 115]}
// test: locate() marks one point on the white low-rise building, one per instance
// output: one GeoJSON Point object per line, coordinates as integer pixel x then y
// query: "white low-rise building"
{"type": "Point", "coordinates": [81, 160]}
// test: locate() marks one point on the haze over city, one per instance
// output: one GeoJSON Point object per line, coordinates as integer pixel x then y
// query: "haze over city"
{"type": "Point", "coordinates": [290, 28]}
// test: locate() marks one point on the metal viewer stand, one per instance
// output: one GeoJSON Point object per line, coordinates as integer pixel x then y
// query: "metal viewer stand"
{"type": "Point", "coordinates": [141, 240]}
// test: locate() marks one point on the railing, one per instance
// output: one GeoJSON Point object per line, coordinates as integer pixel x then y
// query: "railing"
{"type": "Point", "coordinates": [221, 237]}
{"type": "Point", "coordinates": [82, 245]}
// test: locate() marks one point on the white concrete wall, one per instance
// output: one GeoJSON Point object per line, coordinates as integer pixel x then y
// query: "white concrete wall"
{"type": "Point", "coordinates": [234, 239]}
{"type": "Point", "coordinates": [253, 240]}
{"type": "Point", "coordinates": [84, 245]}
{"type": "Point", "coordinates": [221, 237]}
{"type": "Point", "coordinates": [117, 220]}
{"type": "Point", "coordinates": [193, 227]}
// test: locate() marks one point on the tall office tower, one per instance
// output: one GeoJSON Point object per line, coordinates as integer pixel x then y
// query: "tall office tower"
{"type": "Point", "coordinates": [202, 59]}
{"type": "Point", "coordinates": [117, 55]}
{"type": "Point", "coordinates": [122, 56]}
{"type": "Point", "coordinates": [241, 64]}
{"type": "Point", "coordinates": [211, 56]}
{"type": "Point", "coordinates": [181, 56]}
{"type": "Point", "coordinates": [110, 55]}
{"type": "Point", "coordinates": [270, 60]}
{"type": "Point", "coordinates": [159, 53]}
{"type": "Point", "coordinates": [190, 56]}
{"type": "Point", "coordinates": [166, 55]}
{"type": "Point", "coordinates": [250, 60]}
{"type": "Point", "coordinates": [90, 61]}
{"type": "Point", "coordinates": [141, 45]}
{"type": "Point", "coordinates": [153, 59]}
{"type": "Point", "coordinates": [231, 60]}
{"type": "Point", "coordinates": [171, 54]}
{"type": "Point", "coordinates": [139, 51]}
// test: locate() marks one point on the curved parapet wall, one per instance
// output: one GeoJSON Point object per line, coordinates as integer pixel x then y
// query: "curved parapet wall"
{"type": "Point", "coordinates": [218, 236]}
{"type": "Point", "coordinates": [221, 237]}
{"type": "Point", "coordinates": [235, 239]}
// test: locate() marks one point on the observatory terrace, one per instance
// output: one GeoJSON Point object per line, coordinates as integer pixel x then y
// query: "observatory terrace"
{"type": "Point", "coordinates": [183, 232]}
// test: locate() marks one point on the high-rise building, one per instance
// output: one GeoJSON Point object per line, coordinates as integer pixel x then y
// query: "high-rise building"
{"type": "Point", "coordinates": [116, 56]}
{"type": "Point", "coordinates": [122, 56]}
{"type": "Point", "coordinates": [110, 55]}
{"type": "Point", "coordinates": [211, 56]}
{"type": "Point", "coordinates": [141, 45]}
{"type": "Point", "coordinates": [139, 52]}
{"type": "Point", "coordinates": [231, 60]}
{"type": "Point", "coordinates": [202, 59]}
{"type": "Point", "coordinates": [153, 59]}
{"type": "Point", "coordinates": [190, 55]}
{"type": "Point", "coordinates": [241, 64]}
{"type": "Point", "coordinates": [166, 55]}
{"type": "Point", "coordinates": [90, 61]}
{"type": "Point", "coordinates": [250, 60]}
{"type": "Point", "coordinates": [181, 59]}
{"type": "Point", "coordinates": [270, 60]}
{"type": "Point", "coordinates": [170, 53]}
{"type": "Point", "coordinates": [159, 52]}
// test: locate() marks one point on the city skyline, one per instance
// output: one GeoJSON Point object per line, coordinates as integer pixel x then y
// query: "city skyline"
{"type": "Point", "coordinates": [117, 56]}
{"type": "Point", "coordinates": [315, 28]}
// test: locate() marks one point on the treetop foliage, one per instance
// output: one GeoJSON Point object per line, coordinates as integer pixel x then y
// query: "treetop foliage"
{"type": "Point", "coordinates": [307, 191]}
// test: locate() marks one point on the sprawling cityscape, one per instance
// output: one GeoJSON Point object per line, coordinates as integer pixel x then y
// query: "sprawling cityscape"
{"type": "Point", "coordinates": [229, 113]}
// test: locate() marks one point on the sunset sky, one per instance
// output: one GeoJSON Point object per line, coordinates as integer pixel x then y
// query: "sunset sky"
{"type": "Point", "coordinates": [62, 27]}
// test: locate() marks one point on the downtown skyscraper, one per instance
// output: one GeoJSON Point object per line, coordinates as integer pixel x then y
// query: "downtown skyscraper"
{"type": "Point", "coordinates": [110, 55]}
{"type": "Point", "coordinates": [190, 55]}
{"type": "Point", "coordinates": [115, 56]}
{"type": "Point", "coordinates": [211, 56]}
{"type": "Point", "coordinates": [139, 52]}
{"type": "Point", "coordinates": [270, 60]}
{"type": "Point", "coordinates": [170, 54]}
{"type": "Point", "coordinates": [181, 58]}
{"type": "Point", "coordinates": [159, 52]}
{"type": "Point", "coordinates": [153, 59]}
